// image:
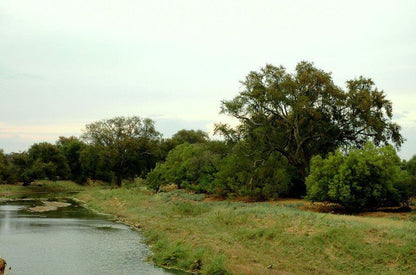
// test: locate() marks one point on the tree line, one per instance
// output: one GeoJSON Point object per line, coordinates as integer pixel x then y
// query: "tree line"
{"type": "Point", "coordinates": [298, 134]}
{"type": "Point", "coordinates": [112, 150]}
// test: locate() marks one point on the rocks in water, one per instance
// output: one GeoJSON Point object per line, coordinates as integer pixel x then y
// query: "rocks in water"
{"type": "Point", "coordinates": [2, 265]}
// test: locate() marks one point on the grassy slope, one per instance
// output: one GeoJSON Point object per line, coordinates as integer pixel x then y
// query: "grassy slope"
{"type": "Point", "coordinates": [251, 237]}
{"type": "Point", "coordinates": [243, 238]}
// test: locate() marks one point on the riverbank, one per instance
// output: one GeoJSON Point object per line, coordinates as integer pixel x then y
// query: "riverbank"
{"type": "Point", "coordinates": [215, 237]}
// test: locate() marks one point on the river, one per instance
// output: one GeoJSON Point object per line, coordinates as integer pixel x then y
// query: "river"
{"type": "Point", "coordinates": [70, 240]}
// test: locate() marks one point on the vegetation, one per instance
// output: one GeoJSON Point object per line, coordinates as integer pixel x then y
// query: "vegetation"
{"type": "Point", "coordinates": [71, 148]}
{"type": "Point", "coordinates": [129, 142]}
{"type": "Point", "coordinates": [40, 189]}
{"type": "Point", "coordinates": [269, 177]}
{"type": "Point", "coordinates": [305, 114]}
{"type": "Point", "coordinates": [293, 128]}
{"type": "Point", "coordinates": [190, 166]}
{"type": "Point", "coordinates": [258, 238]}
{"type": "Point", "coordinates": [364, 178]}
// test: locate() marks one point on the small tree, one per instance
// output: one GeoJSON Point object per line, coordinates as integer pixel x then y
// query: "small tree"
{"type": "Point", "coordinates": [364, 178]}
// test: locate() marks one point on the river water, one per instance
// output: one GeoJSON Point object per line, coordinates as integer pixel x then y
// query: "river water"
{"type": "Point", "coordinates": [71, 240]}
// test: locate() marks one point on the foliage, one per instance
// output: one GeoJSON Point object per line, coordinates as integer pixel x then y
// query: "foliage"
{"type": "Point", "coordinates": [364, 178]}
{"type": "Point", "coordinates": [180, 137]}
{"type": "Point", "coordinates": [130, 142]}
{"type": "Point", "coordinates": [248, 172]}
{"type": "Point", "coordinates": [19, 164]}
{"type": "Point", "coordinates": [95, 162]}
{"type": "Point", "coordinates": [71, 148]}
{"type": "Point", "coordinates": [46, 161]}
{"type": "Point", "coordinates": [410, 167]}
{"type": "Point", "coordinates": [190, 166]}
{"type": "Point", "coordinates": [5, 173]}
{"type": "Point", "coordinates": [305, 114]}
{"type": "Point", "coordinates": [189, 136]}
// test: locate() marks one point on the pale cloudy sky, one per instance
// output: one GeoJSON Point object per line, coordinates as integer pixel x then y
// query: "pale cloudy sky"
{"type": "Point", "coordinates": [67, 63]}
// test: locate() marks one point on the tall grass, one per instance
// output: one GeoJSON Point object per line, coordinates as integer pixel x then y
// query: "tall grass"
{"type": "Point", "coordinates": [257, 238]}
{"type": "Point", "coordinates": [260, 238]}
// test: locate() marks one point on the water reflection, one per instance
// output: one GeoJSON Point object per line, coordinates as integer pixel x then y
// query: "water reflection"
{"type": "Point", "coordinates": [70, 240]}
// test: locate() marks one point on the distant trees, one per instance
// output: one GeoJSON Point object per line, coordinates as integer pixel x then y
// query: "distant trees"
{"type": "Point", "coordinates": [286, 120]}
{"type": "Point", "coordinates": [46, 161]}
{"type": "Point", "coordinates": [189, 136]}
{"type": "Point", "coordinates": [129, 142]}
{"type": "Point", "coordinates": [305, 114]}
{"type": "Point", "coordinates": [4, 168]}
{"type": "Point", "coordinates": [71, 148]}
{"type": "Point", "coordinates": [19, 166]}
{"type": "Point", "coordinates": [364, 178]}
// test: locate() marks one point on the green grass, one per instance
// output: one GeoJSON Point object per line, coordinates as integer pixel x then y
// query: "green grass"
{"type": "Point", "coordinates": [242, 238]}
{"type": "Point", "coordinates": [226, 237]}
{"type": "Point", "coordinates": [39, 189]}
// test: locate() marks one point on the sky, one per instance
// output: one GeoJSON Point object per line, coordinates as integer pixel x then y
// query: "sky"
{"type": "Point", "coordinates": [67, 63]}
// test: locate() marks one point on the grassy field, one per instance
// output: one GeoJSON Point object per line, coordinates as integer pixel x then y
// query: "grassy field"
{"type": "Point", "coordinates": [219, 237]}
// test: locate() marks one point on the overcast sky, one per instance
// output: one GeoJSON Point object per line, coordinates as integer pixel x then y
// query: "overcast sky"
{"type": "Point", "coordinates": [64, 64]}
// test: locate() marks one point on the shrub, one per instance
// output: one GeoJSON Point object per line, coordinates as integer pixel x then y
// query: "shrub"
{"type": "Point", "coordinates": [190, 166]}
{"type": "Point", "coordinates": [364, 178]}
{"type": "Point", "coordinates": [246, 172]}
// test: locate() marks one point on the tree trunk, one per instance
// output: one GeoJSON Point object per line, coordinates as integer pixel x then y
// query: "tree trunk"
{"type": "Point", "coordinates": [118, 180]}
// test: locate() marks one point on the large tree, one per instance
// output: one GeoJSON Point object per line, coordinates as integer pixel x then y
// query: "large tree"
{"type": "Point", "coordinates": [304, 113]}
{"type": "Point", "coordinates": [131, 142]}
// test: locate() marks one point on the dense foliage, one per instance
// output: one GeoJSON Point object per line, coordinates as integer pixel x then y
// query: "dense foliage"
{"type": "Point", "coordinates": [130, 143]}
{"type": "Point", "coordinates": [362, 179]}
{"type": "Point", "coordinates": [4, 168]}
{"type": "Point", "coordinates": [71, 148]}
{"type": "Point", "coordinates": [305, 114]}
{"type": "Point", "coordinates": [46, 161]}
{"type": "Point", "coordinates": [191, 166]}
{"type": "Point", "coordinates": [246, 173]}
{"type": "Point", "coordinates": [285, 121]}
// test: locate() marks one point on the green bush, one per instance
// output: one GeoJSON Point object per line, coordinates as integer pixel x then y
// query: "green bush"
{"type": "Point", "coordinates": [365, 178]}
{"type": "Point", "coordinates": [190, 166]}
{"type": "Point", "coordinates": [246, 172]}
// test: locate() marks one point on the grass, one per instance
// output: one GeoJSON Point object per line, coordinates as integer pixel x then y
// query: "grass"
{"type": "Point", "coordinates": [227, 237]}
{"type": "Point", "coordinates": [39, 189]}
{"type": "Point", "coordinates": [259, 238]}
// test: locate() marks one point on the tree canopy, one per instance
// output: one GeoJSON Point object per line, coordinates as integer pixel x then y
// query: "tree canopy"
{"type": "Point", "coordinates": [46, 161]}
{"type": "Point", "coordinates": [128, 141]}
{"type": "Point", "coordinates": [304, 113]}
